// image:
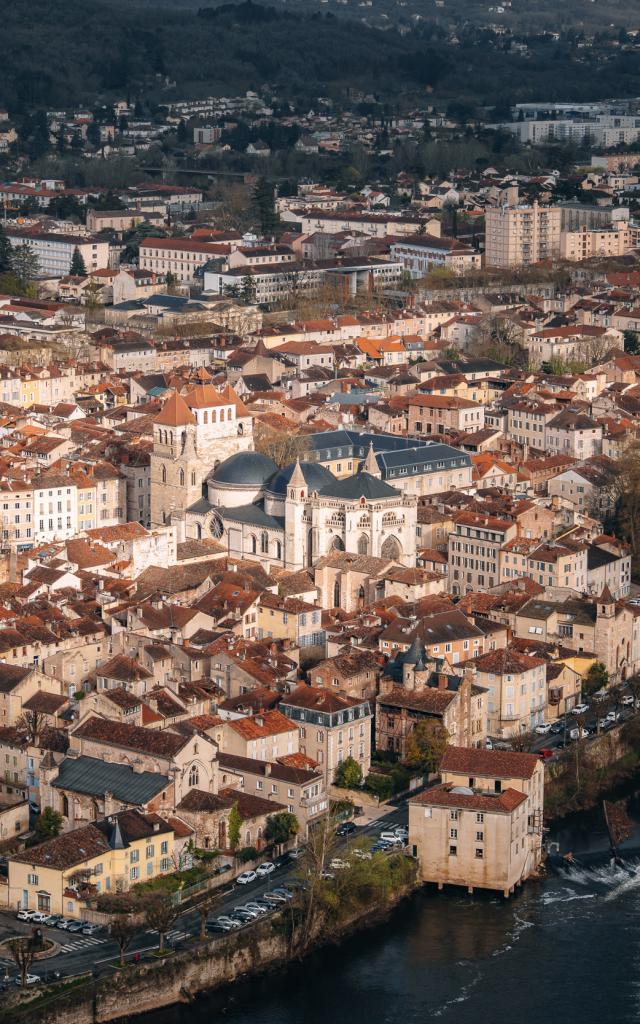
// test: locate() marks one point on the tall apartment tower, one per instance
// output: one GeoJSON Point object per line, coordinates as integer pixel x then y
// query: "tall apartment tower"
{"type": "Point", "coordinates": [520, 235]}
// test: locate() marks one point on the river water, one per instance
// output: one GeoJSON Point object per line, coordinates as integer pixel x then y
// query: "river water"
{"type": "Point", "coordinates": [566, 949]}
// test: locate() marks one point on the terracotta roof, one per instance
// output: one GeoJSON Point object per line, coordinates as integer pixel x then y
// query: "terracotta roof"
{"type": "Point", "coordinates": [175, 412]}
{"type": "Point", "coordinates": [132, 737]}
{"type": "Point", "coordinates": [316, 698]}
{"type": "Point", "coordinates": [474, 761]}
{"type": "Point", "coordinates": [450, 796]}
{"type": "Point", "coordinates": [269, 723]}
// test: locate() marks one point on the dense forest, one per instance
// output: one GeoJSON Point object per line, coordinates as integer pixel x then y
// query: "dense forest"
{"type": "Point", "coordinates": [60, 52]}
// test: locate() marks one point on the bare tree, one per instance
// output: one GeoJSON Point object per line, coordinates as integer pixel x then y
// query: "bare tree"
{"type": "Point", "coordinates": [159, 915]}
{"type": "Point", "coordinates": [280, 445]}
{"type": "Point", "coordinates": [122, 930]}
{"type": "Point", "coordinates": [23, 951]}
{"type": "Point", "coordinates": [32, 722]}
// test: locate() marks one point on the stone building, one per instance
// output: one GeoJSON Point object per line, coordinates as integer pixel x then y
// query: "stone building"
{"type": "Point", "coordinates": [482, 827]}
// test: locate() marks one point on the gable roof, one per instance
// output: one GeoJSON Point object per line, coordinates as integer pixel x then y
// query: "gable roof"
{"type": "Point", "coordinates": [95, 777]}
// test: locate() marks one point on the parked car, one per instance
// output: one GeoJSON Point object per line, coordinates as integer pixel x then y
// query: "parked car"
{"type": "Point", "coordinates": [227, 920]}
{"type": "Point", "coordinates": [545, 753]}
{"type": "Point", "coordinates": [627, 700]}
{"type": "Point", "coordinates": [326, 875]}
{"type": "Point", "coordinates": [52, 920]}
{"type": "Point", "coordinates": [296, 854]}
{"type": "Point", "coordinates": [347, 828]}
{"type": "Point", "coordinates": [64, 923]}
{"type": "Point", "coordinates": [246, 877]}
{"type": "Point", "coordinates": [612, 716]}
{"type": "Point", "coordinates": [220, 926]}
{"type": "Point", "coordinates": [246, 910]}
{"type": "Point", "coordinates": [31, 979]}
{"type": "Point", "coordinates": [25, 915]}
{"type": "Point", "coordinates": [388, 836]}
{"type": "Point", "coordinates": [265, 869]}
{"type": "Point", "coordinates": [260, 908]}
{"type": "Point", "coordinates": [401, 831]}
{"type": "Point", "coordinates": [362, 854]}
{"type": "Point", "coordinates": [580, 709]}
{"type": "Point", "coordinates": [281, 891]}
{"type": "Point", "coordinates": [75, 926]}
{"type": "Point", "coordinates": [557, 727]}
{"type": "Point", "coordinates": [578, 734]}
{"type": "Point", "coordinates": [337, 864]}
{"type": "Point", "coordinates": [90, 929]}
{"type": "Point", "coordinates": [39, 917]}
{"type": "Point", "coordinates": [543, 728]}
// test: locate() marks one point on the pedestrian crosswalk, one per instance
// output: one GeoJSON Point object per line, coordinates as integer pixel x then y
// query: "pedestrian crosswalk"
{"type": "Point", "coordinates": [83, 943]}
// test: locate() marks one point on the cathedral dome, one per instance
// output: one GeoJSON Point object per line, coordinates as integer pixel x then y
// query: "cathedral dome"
{"type": "Point", "coordinates": [244, 469]}
{"type": "Point", "coordinates": [316, 477]}
{"type": "Point", "coordinates": [239, 479]}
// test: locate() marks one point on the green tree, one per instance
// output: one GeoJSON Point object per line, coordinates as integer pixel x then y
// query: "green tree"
{"type": "Point", "coordinates": [279, 828]}
{"type": "Point", "coordinates": [426, 744]}
{"type": "Point", "coordinates": [234, 825]}
{"type": "Point", "coordinates": [380, 785]}
{"type": "Point", "coordinates": [247, 289]}
{"type": "Point", "coordinates": [597, 678]}
{"type": "Point", "coordinates": [24, 263]}
{"type": "Point", "coordinates": [5, 252]}
{"type": "Point", "coordinates": [263, 203]}
{"type": "Point", "coordinates": [93, 134]}
{"type": "Point", "coordinates": [632, 342]}
{"type": "Point", "coordinates": [348, 774]}
{"type": "Point", "coordinates": [49, 824]}
{"type": "Point", "coordinates": [77, 268]}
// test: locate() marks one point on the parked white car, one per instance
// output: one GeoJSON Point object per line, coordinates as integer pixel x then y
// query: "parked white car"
{"type": "Point", "coordinates": [246, 877]}
{"type": "Point", "coordinates": [339, 865]}
{"type": "Point", "coordinates": [543, 728]}
{"type": "Point", "coordinates": [265, 869]}
{"type": "Point", "coordinates": [579, 709]}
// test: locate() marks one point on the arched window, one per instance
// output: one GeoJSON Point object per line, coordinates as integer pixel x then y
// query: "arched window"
{"type": "Point", "coordinates": [193, 478]}
{"type": "Point", "coordinates": [214, 418]}
{"type": "Point", "coordinates": [181, 477]}
{"type": "Point", "coordinates": [65, 806]}
{"type": "Point", "coordinates": [240, 428]}
{"type": "Point", "coordinates": [278, 549]}
{"type": "Point", "coordinates": [198, 531]}
{"type": "Point", "coordinates": [391, 548]}
{"type": "Point", "coordinates": [228, 414]}
{"type": "Point", "coordinates": [205, 417]}
{"type": "Point", "coordinates": [363, 544]}
{"type": "Point", "coordinates": [194, 775]}
{"type": "Point", "coordinates": [336, 594]}
{"type": "Point", "coordinates": [164, 474]}
{"type": "Point", "coordinates": [254, 544]}
{"type": "Point", "coordinates": [264, 543]}
{"type": "Point", "coordinates": [171, 437]}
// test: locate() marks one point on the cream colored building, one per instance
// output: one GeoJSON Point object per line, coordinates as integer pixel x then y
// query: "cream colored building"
{"type": "Point", "coordinates": [587, 243]}
{"type": "Point", "coordinates": [332, 727]}
{"type": "Point", "coordinates": [519, 235]}
{"type": "Point", "coordinates": [482, 827]}
{"type": "Point", "coordinates": [516, 686]}
{"type": "Point", "coordinates": [111, 855]}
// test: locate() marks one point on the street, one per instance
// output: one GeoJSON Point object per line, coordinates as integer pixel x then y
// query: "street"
{"type": "Point", "coordinates": [80, 953]}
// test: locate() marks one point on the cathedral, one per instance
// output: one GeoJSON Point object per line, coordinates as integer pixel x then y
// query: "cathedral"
{"type": "Point", "coordinates": [208, 481]}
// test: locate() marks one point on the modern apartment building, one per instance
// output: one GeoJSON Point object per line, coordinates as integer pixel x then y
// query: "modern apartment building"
{"type": "Point", "coordinates": [519, 235]}
{"type": "Point", "coordinates": [54, 252]}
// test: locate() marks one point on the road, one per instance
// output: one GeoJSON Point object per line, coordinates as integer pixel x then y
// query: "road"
{"type": "Point", "coordinates": [80, 953]}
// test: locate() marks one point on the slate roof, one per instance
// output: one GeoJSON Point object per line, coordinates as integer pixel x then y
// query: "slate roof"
{"type": "Point", "coordinates": [95, 777]}
{"type": "Point", "coordinates": [362, 485]}
{"type": "Point", "coordinates": [253, 515]}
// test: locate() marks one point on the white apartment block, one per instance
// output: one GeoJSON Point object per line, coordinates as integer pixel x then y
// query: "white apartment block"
{"type": "Point", "coordinates": [55, 252]}
{"type": "Point", "coordinates": [178, 256]}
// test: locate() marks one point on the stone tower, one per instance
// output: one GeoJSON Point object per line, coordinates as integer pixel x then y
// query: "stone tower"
{"type": "Point", "coordinates": [192, 433]}
{"type": "Point", "coordinates": [295, 530]}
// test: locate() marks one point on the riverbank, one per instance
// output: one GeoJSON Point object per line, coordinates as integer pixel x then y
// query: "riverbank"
{"type": "Point", "coordinates": [268, 945]}
{"type": "Point", "coordinates": [589, 771]}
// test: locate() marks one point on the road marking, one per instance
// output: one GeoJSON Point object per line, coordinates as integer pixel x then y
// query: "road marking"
{"type": "Point", "coordinates": [81, 944]}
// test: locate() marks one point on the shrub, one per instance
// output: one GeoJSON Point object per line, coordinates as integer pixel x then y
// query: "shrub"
{"type": "Point", "coordinates": [400, 778]}
{"type": "Point", "coordinates": [246, 854]}
{"type": "Point", "coordinates": [348, 774]}
{"type": "Point", "coordinates": [380, 785]}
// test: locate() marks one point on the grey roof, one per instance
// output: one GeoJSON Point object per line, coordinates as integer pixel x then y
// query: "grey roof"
{"type": "Point", "coordinates": [95, 777]}
{"type": "Point", "coordinates": [316, 477]}
{"type": "Point", "coordinates": [362, 485]}
{"type": "Point", "coordinates": [597, 557]}
{"type": "Point", "coordinates": [252, 515]}
{"type": "Point", "coordinates": [422, 459]}
{"type": "Point", "coordinates": [247, 469]}
{"type": "Point", "coordinates": [201, 506]}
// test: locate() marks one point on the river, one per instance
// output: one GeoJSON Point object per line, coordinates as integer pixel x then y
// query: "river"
{"type": "Point", "coordinates": [565, 949]}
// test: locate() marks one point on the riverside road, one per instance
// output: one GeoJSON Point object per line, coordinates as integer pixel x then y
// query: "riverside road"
{"type": "Point", "coordinates": [80, 954]}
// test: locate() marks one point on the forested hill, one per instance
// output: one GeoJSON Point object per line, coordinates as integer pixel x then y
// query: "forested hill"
{"type": "Point", "coordinates": [57, 53]}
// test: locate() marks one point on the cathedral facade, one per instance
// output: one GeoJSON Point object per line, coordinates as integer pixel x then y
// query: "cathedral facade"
{"type": "Point", "coordinates": [208, 481]}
